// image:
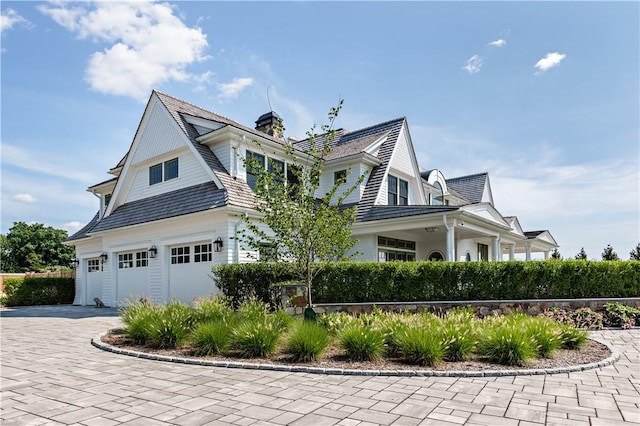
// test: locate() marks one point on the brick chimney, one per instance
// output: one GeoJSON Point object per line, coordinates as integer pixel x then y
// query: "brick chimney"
{"type": "Point", "coordinates": [267, 122]}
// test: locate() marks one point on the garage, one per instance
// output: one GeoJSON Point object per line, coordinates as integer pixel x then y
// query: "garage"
{"type": "Point", "coordinates": [94, 280]}
{"type": "Point", "coordinates": [190, 270]}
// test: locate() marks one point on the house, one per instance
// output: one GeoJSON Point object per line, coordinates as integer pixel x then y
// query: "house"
{"type": "Point", "coordinates": [172, 207]}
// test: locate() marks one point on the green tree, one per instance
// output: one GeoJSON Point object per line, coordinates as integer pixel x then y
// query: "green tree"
{"type": "Point", "coordinates": [609, 254]}
{"type": "Point", "coordinates": [555, 254]}
{"type": "Point", "coordinates": [35, 247]}
{"type": "Point", "coordinates": [635, 253]}
{"type": "Point", "coordinates": [582, 255]}
{"type": "Point", "coordinates": [304, 226]}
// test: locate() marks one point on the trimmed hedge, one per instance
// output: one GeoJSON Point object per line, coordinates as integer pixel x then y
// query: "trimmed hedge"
{"type": "Point", "coordinates": [38, 291]}
{"type": "Point", "coordinates": [433, 281]}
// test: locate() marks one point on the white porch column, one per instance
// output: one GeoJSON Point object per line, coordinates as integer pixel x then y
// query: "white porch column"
{"type": "Point", "coordinates": [527, 247]}
{"type": "Point", "coordinates": [451, 244]}
{"type": "Point", "coordinates": [497, 253]}
{"type": "Point", "coordinates": [512, 252]}
{"type": "Point", "coordinates": [546, 255]}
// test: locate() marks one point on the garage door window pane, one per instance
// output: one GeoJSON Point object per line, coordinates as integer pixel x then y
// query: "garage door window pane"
{"type": "Point", "coordinates": [125, 261]}
{"type": "Point", "coordinates": [180, 255]}
{"type": "Point", "coordinates": [93, 265]}
{"type": "Point", "coordinates": [202, 253]}
{"type": "Point", "coordinates": [141, 259]}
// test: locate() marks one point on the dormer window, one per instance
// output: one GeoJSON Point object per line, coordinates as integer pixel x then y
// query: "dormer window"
{"type": "Point", "coordinates": [397, 191]}
{"type": "Point", "coordinates": [163, 171]}
{"type": "Point", "coordinates": [437, 199]}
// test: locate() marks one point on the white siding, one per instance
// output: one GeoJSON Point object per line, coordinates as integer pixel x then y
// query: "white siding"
{"type": "Point", "coordinates": [190, 172]}
{"type": "Point", "coordinates": [467, 246]}
{"type": "Point", "coordinates": [159, 135]}
{"type": "Point", "coordinates": [354, 173]}
{"type": "Point", "coordinates": [401, 160]}
{"type": "Point", "coordinates": [367, 246]}
{"type": "Point", "coordinates": [227, 156]}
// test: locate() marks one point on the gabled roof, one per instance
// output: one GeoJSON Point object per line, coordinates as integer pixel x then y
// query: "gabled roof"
{"type": "Point", "coordinates": [183, 201]}
{"type": "Point", "coordinates": [470, 187]}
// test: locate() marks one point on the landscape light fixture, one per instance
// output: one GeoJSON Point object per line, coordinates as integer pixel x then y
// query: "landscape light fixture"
{"type": "Point", "coordinates": [218, 244]}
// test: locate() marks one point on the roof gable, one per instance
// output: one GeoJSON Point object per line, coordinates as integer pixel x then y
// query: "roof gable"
{"type": "Point", "coordinates": [473, 188]}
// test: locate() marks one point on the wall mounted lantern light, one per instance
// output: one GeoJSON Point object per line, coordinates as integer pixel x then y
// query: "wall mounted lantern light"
{"type": "Point", "coordinates": [75, 263]}
{"type": "Point", "coordinates": [153, 252]}
{"type": "Point", "coordinates": [104, 257]}
{"type": "Point", "coordinates": [218, 244]}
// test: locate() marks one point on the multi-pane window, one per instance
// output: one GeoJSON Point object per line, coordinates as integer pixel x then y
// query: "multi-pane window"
{"type": "Point", "coordinates": [254, 161]}
{"type": "Point", "coordinates": [437, 199]}
{"type": "Point", "coordinates": [268, 253]}
{"type": "Point", "coordinates": [339, 177]}
{"type": "Point", "coordinates": [125, 260]}
{"type": "Point", "coordinates": [397, 191]}
{"type": "Point", "coordinates": [180, 255]}
{"type": "Point", "coordinates": [94, 265]}
{"type": "Point", "coordinates": [163, 171]}
{"type": "Point", "coordinates": [390, 249]}
{"type": "Point", "coordinates": [202, 253]}
{"type": "Point", "coordinates": [142, 259]}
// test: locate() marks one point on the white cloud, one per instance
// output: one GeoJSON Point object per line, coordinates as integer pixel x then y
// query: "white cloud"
{"type": "Point", "coordinates": [498, 43]}
{"type": "Point", "coordinates": [25, 198]}
{"type": "Point", "coordinates": [10, 18]}
{"type": "Point", "coordinates": [233, 89]}
{"type": "Point", "coordinates": [149, 45]}
{"type": "Point", "coordinates": [72, 227]}
{"type": "Point", "coordinates": [549, 61]}
{"type": "Point", "coordinates": [473, 64]}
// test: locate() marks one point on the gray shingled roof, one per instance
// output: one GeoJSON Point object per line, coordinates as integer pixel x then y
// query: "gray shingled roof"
{"type": "Point", "coordinates": [183, 201]}
{"type": "Point", "coordinates": [389, 212]}
{"type": "Point", "coordinates": [469, 187]}
{"type": "Point", "coordinates": [533, 234]}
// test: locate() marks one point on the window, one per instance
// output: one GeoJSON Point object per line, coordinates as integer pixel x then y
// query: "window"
{"type": "Point", "coordinates": [390, 249]}
{"type": "Point", "coordinates": [180, 255]}
{"type": "Point", "coordinates": [339, 177]}
{"type": "Point", "coordinates": [437, 199]}
{"type": "Point", "coordinates": [163, 171]}
{"type": "Point", "coordinates": [202, 253]}
{"type": "Point", "coordinates": [483, 251]}
{"type": "Point", "coordinates": [125, 260]}
{"type": "Point", "coordinates": [94, 265]}
{"type": "Point", "coordinates": [436, 256]}
{"type": "Point", "coordinates": [171, 169]}
{"type": "Point", "coordinates": [397, 191]}
{"type": "Point", "coordinates": [142, 259]}
{"type": "Point", "coordinates": [253, 160]}
{"type": "Point", "coordinates": [267, 253]}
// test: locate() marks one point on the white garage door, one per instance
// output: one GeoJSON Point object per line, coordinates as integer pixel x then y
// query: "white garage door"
{"type": "Point", "coordinates": [133, 277]}
{"type": "Point", "coordinates": [94, 280]}
{"type": "Point", "coordinates": [190, 270]}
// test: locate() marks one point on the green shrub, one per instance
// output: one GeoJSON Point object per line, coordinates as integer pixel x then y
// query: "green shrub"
{"type": "Point", "coordinates": [572, 337]}
{"type": "Point", "coordinates": [546, 333]}
{"type": "Point", "coordinates": [392, 326]}
{"type": "Point", "coordinates": [172, 325]}
{"type": "Point", "coordinates": [461, 338]}
{"type": "Point", "coordinates": [256, 338]}
{"type": "Point", "coordinates": [212, 309]}
{"type": "Point", "coordinates": [138, 318]}
{"type": "Point", "coordinates": [252, 309]}
{"type": "Point", "coordinates": [420, 345]}
{"type": "Point", "coordinates": [506, 342]}
{"type": "Point", "coordinates": [587, 318]}
{"type": "Point", "coordinates": [336, 322]}
{"type": "Point", "coordinates": [281, 320]}
{"type": "Point", "coordinates": [211, 338]}
{"type": "Point", "coordinates": [307, 341]}
{"type": "Point", "coordinates": [619, 315]}
{"type": "Point", "coordinates": [362, 343]}
{"type": "Point", "coordinates": [31, 291]}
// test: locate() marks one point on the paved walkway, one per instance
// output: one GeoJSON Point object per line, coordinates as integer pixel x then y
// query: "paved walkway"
{"type": "Point", "coordinates": [52, 375]}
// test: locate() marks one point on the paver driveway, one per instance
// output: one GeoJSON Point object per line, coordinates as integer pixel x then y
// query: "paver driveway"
{"type": "Point", "coordinates": [52, 375]}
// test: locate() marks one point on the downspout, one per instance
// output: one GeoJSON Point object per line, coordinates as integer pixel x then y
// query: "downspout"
{"type": "Point", "coordinates": [100, 209]}
{"type": "Point", "coordinates": [236, 166]}
{"type": "Point", "coordinates": [236, 254]}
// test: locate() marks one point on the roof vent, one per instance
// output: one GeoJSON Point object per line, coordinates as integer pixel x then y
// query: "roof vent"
{"type": "Point", "coordinates": [267, 123]}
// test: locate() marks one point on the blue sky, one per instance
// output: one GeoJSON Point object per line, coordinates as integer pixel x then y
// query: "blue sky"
{"type": "Point", "coordinates": [542, 95]}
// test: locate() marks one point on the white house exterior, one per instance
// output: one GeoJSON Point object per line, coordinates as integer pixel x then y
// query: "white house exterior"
{"type": "Point", "coordinates": [173, 205]}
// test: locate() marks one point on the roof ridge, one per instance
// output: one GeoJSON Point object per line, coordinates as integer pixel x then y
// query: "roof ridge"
{"type": "Point", "coordinates": [384, 123]}
{"type": "Point", "coordinates": [468, 176]}
{"type": "Point", "coordinates": [195, 106]}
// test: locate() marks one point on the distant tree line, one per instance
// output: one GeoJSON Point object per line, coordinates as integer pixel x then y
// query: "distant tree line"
{"type": "Point", "coordinates": [607, 254]}
{"type": "Point", "coordinates": [34, 248]}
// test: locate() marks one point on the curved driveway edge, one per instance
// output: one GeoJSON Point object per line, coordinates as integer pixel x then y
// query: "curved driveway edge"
{"type": "Point", "coordinates": [615, 355]}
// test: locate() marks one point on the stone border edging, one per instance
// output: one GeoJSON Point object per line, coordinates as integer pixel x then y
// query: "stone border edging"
{"type": "Point", "coordinates": [615, 355]}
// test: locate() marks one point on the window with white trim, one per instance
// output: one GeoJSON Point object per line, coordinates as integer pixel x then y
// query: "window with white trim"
{"type": "Point", "coordinates": [397, 191]}
{"type": "Point", "coordinates": [163, 171]}
{"type": "Point", "coordinates": [125, 260]}
{"type": "Point", "coordinates": [94, 265]}
{"type": "Point", "coordinates": [180, 255]}
{"type": "Point", "coordinates": [390, 249]}
{"type": "Point", "coordinates": [202, 253]}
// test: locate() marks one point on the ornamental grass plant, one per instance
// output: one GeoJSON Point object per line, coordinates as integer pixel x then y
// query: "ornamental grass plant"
{"type": "Point", "coordinates": [422, 345]}
{"type": "Point", "coordinates": [137, 317]}
{"type": "Point", "coordinates": [308, 341]}
{"type": "Point", "coordinates": [211, 338]}
{"type": "Point", "coordinates": [171, 326]}
{"type": "Point", "coordinates": [362, 343]}
{"type": "Point", "coordinates": [212, 309]}
{"type": "Point", "coordinates": [507, 342]}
